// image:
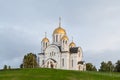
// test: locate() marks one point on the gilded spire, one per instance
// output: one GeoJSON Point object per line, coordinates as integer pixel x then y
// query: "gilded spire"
{"type": "Point", "coordinates": [72, 38]}
{"type": "Point", "coordinates": [45, 34]}
{"type": "Point", "coordinates": [72, 44]}
{"type": "Point", "coordinates": [59, 21]}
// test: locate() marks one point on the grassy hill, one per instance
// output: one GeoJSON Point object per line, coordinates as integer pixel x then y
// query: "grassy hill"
{"type": "Point", "coordinates": [53, 74]}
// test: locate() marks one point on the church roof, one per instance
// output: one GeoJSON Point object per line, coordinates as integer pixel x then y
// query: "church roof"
{"type": "Point", "coordinates": [74, 49]}
{"type": "Point", "coordinates": [81, 62]}
{"type": "Point", "coordinates": [53, 60]}
{"type": "Point", "coordinates": [59, 48]}
{"type": "Point", "coordinates": [40, 53]}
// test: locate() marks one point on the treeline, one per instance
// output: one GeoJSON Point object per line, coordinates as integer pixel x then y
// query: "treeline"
{"type": "Point", "coordinates": [30, 61]}
{"type": "Point", "coordinates": [6, 67]}
{"type": "Point", "coordinates": [105, 67]}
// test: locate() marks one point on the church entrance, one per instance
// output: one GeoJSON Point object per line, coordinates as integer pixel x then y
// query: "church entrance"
{"type": "Point", "coordinates": [51, 63]}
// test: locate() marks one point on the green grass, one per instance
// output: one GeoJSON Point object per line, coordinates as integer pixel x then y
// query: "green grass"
{"type": "Point", "coordinates": [54, 74]}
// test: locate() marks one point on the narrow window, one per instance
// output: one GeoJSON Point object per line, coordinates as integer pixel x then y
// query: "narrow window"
{"type": "Point", "coordinates": [42, 61]}
{"type": "Point", "coordinates": [63, 62]}
{"type": "Point", "coordinates": [52, 53]}
{"type": "Point", "coordinates": [79, 53]}
{"type": "Point", "coordinates": [66, 42]}
{"type": "Point", "coordinates": [46, 44]}
{"type": "Point", "coordinates": [72, 63]}
{"type": "Point", "coordinates": [56, 38]}
{"type": "Point", "coordinates": [79, 67]}
{"type": "Point", "coordinates": [60, 36]}
{"type": "Point", "coordinates": [43, 44]}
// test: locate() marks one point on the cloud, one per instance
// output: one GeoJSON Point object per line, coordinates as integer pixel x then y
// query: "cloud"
{"type": "Point", "coordinates": [97, 58]}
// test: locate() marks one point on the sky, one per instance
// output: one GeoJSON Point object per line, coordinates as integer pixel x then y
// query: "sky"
{"type": "Point", "coordinates": [94, 25]}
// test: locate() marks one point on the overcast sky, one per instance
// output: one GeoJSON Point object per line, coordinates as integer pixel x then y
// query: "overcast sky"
{"type": "Point", "coordinates": [94, 24]}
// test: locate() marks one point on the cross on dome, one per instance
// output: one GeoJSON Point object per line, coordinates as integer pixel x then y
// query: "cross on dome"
{"type": "Point", "coordinates": [45, 39]}
{"type": "Point", "coordinates": [59, 21]}
{"type": "Point", "coordinates": [59, 30]}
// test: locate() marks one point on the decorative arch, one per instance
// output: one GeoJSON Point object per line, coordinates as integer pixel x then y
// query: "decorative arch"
{"type": "Point", "coordinates": [52, 46]}
{"type": "Point", "coordinates": [50, 63]}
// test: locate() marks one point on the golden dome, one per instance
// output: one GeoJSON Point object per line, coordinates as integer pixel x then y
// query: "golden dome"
{"type": "Point", "coordinates": [59, 30]}
{"type": "Point", "coordinates": [72, 44]}
{"type": "Point", "coordinates": [45, 40]}
{"type": "Point", "coordinates": [65, 37]}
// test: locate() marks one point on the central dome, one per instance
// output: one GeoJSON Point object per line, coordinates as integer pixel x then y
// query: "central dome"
{"type": "Point", "coordinates": [59, 30]}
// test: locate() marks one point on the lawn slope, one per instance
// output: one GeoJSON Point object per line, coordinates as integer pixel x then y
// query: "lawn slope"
{"type": "Point", "coordinates": [53, 74]}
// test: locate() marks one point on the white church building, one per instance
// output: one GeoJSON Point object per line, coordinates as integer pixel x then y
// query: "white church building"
{"type": "Point", "coordinates": [60, 53]}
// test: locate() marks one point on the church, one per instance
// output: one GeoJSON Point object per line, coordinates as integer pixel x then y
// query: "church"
{"type": "Point", "coordinates": [60, 53]}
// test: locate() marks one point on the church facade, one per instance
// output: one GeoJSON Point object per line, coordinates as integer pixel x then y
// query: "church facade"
{"type": "Point", "coordinates": [60, 53]}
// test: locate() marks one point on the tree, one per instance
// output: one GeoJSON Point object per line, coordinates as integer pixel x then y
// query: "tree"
{"type": "Point", "coordinates": [106, 67]}
{"type": "Point", "coordinates": [9, 67]}
{"type": "Point", "coordinates": [117, 67]}
{"type": "Point", "coordinates": [21, 66]}
{"type": "Point", "coordinates": [29, 61]}
{"type": "Point", "coordinates": [103, 67]}
{"type": "Point", "coordinates": [5, 67]}
{"type": "Point", "coordinates": [94, 68]}
{"type": "Point", "coordinates": [110, 67]}
{"type": "Point", "coordinates": [90, 67]}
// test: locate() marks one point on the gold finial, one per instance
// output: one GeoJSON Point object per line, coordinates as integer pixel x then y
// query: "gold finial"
{"type": "Point", "coordinates": [59, 21]}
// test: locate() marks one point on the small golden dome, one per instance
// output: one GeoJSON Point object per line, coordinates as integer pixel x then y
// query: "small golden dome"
{"type": "Point", "coordinates": [65, 37]}
{"type": "Point", "coordinates": [72, 44]}
{"type": "Point", "coordinates": [59, 30]}
{"type": "Point", "coordinates": [45, 40]}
